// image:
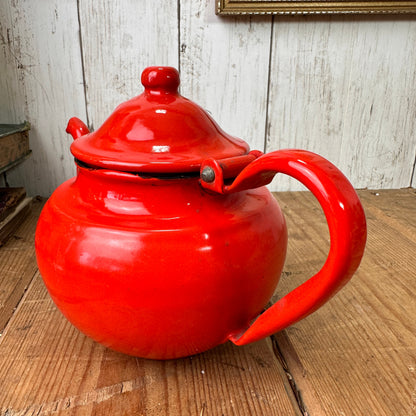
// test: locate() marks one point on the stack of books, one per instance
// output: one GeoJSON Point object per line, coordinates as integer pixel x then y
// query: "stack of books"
{"type": "Point", "coordinates": [14, 204]}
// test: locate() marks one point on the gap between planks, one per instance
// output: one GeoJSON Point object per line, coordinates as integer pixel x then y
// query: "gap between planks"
{"type": "Point", "coordinates": [301, 354]}
{"type": "Point", "coordinates": [16, 308]}
{"type": "Point", "coordinates": [47, 367]}
{"type": "Point", "coordinates": [356, 354]}
{"type": "Point", "coordinates": [17, 264]}
{"type": "Point", "coordinates": [56, 370]}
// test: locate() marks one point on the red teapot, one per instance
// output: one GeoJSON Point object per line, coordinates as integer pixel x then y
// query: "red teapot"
{"type": "Point", "coordinates": [167, 243]}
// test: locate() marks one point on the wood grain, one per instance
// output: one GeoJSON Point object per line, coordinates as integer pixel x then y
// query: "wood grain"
{"type": "Point", "coordinates": [48, 367]}
{"type": "Point", "coordinates": [11, 223]}
{"type": "Point", "coordinates": [357, 354]}
{"type": "Point", "coordinates": [341, 88]}
{"type": "Point", "coordinates": [43, 54]}
{"type": "Point", "coordinates": [17, 265]}
{"type": "Point", "coordinates": [9, 200]}
{"type": "Point", "coordinates": [12, 94]}
{"type": "Point", "coordinates": [12, 148]}
{"type": "Point", "coordinates": [224, 65]}
{"type": "Point", "coordinates": [120, 39]}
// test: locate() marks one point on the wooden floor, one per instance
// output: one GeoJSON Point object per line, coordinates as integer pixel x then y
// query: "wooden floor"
{"type": "Point", "coordinates": [355, 356]}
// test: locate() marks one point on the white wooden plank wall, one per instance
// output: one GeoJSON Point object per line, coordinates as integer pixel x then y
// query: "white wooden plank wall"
{"type": "Point", "coordinates": [345, 88]}
{"type": "Point", "coordinates": [119, 39]}
{"type": "Point", "coordinates": [224, 64]}
{"type": "Point", "coordinates": [339, 86]}
{"type": "Point", "coordinates": [42, 82]}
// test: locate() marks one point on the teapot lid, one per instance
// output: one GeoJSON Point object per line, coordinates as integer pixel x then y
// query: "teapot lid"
{"type": "Point", "coordinates": [157, 131]}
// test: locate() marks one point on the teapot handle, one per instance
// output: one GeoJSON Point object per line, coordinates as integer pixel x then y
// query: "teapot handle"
{"type": "Point", "coordinates": [347, 228]}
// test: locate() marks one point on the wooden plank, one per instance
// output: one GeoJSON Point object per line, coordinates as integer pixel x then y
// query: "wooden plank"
{"type": "Point", "coordinates": [357, 354]}
{"type": "Point", "coordinates": [119, 39]}
{"type": "Point", "coordinates": [48, 367]}
{"type": "Point", "coordinates": [13, 164]}
{"type": "Point", "coordinates": [339, 86]}
{"type": "Point", "coordinates": [343, 88]}
{"type": "Point", "coordinates": [395, 207]}
{"type": "Point", "coordinates": [12, 97]}
{"type": "Point", "coordinates": [17, 265]}
{"type": "Point", "coordinates": [9, 129]}
{"type": "Point", "coordinates": [224, 66]}
{"type": "Point", "coordinates": [10, 224]}
{"type": "Point", "coordinates": [10, 198]}
{"type": "Point", "coordinates": [42, 66]}
{"type": "Point", "coordinates": [14, 145]}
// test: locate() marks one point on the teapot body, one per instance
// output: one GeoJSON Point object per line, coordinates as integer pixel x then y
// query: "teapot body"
{"type": "Point", "coordinates": [167, 242]}
{"type": "Point", "coordinates": [155, 267]}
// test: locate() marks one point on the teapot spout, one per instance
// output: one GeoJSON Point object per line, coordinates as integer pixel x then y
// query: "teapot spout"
{"type": "Point", "coordinates": [76, 128]}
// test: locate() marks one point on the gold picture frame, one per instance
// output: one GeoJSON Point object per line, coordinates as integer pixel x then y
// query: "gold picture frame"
{"type": "Point", "coordinates": [235, 7]}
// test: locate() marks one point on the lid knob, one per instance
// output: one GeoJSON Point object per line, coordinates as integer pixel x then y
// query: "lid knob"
{"type": "Point", "coordinates": [163, 78]}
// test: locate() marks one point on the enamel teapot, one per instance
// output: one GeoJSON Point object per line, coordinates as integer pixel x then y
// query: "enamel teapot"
{"type": "Point", "coordinates": [167, 243]}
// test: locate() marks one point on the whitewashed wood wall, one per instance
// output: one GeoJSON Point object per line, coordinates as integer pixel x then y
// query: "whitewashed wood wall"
{"type": "Point", "coordinates": [344, 87]}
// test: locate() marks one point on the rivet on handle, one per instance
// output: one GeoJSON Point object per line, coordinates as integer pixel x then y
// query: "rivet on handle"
{"type": "Point", "coordinates": [208, 174]}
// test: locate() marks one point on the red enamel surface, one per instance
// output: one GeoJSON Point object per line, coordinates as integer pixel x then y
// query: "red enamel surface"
{"type": "Point", "coordinates": [165, 268]}
{"type": "Point", "coordinates": [155, 268]}
{"type": "Point", "coordinates": [158, 131]}
{"type": "Point", "coordinates": [347, 228]}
